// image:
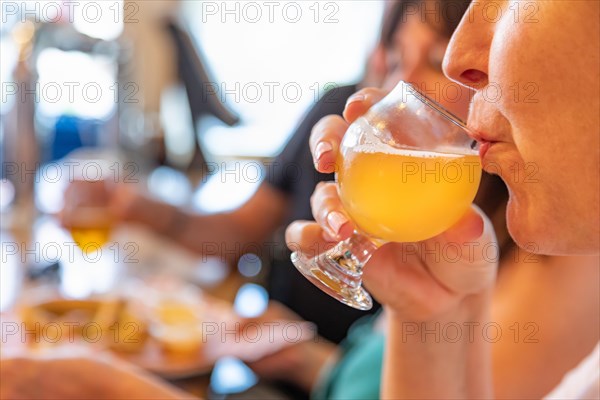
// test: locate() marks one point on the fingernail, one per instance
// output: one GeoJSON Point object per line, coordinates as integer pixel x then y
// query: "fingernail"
{"type": "Point", "coordinates": [355, 98]}
{"type": "Point", "coordinates": [336, 220]}
{"type": "Point", "coordinates": [322, 148]}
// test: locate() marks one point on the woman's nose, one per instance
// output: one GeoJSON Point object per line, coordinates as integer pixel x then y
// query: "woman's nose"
{"type": "Point", "coordinates": [467, 55]}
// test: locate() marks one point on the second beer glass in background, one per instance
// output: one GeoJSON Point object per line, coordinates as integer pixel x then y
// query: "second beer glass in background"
{"type": "Point", "coordinates": [86, 211]}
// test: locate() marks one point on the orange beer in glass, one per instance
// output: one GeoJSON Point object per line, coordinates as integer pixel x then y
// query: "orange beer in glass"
{"type": "Point", "coordinates": [405, 195]}
{"type": "Point", "coordinates": [407, 172]}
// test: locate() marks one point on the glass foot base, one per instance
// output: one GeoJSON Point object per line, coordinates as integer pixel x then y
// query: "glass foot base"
{"type": "Point", "coordinates": [330, 282]}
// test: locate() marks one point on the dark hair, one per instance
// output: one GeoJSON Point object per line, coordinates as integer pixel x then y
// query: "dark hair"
{"type": "Point", "coordinates": [442, 15]}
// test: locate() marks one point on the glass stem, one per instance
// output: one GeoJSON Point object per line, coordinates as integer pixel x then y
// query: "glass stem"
{"type": "Point", "coordinates": [349, 257]}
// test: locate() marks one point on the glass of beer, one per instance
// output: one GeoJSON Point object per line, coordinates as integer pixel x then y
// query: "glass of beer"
{"type": "Point", "coordinates": [91, 228]}
{"type": "Point", "coordinates": [86, 214]}
{"type": "Point", "coordinates": [407, 171]}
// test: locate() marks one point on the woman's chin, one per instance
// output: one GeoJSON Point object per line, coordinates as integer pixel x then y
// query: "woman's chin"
{"type": "Point", "coordinates": [539, 231]}
{"type": "Point", "coordinates": [523, 228]}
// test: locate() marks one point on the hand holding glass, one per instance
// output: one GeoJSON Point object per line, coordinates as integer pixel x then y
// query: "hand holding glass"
{"type": "Point", "coordinates": [87, 215]}
{"type": "Point", "coordinates": [407, 171]}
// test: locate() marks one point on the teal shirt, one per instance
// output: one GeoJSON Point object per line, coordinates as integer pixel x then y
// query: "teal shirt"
{"type": "Point", "coordinates": [357, 374]}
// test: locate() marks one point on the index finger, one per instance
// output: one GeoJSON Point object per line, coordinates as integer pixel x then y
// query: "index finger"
{"type": "Point", "coordinates": [327, 134]}
{"type": "Point", "coordinates": [325, 140]}
{"type": "Point", "coordinates": [360, 102]}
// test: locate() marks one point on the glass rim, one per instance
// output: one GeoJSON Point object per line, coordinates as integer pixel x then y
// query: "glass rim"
{"type": "Point", "coordinates": [439, 108]}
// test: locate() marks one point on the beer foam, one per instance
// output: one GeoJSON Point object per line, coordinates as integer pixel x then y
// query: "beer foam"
{"type": "Point", "coordinates": [371, 143]}
{"type": "Point", "coordinates": [382, 148]}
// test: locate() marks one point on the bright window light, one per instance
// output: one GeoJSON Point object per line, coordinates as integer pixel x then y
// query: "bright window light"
{"type": "Point", "coordinates": [76, 83]}
{"type": "Point", "coordinates": [271, 61]}
{"type": "Point", "coordinates": [231, 375]}
{"type": "Point", "coordinates": [176, 120]}
{"type": "Point", "coordinates": [11, 273]}
{"type": "Point", "coordinates": [169, 185]}
{"type": "Point", "coordinates": [229, 188]}
{"type": "Point", "coordinates": [101, 19]}
{"type": "Point", "coordinates": [251, 300]}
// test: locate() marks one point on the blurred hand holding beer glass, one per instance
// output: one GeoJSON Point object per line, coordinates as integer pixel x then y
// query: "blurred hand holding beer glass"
{"type": "Point", "coordinates": [407, 171]}
{"type": "Point", "coordinates": [86, 213]}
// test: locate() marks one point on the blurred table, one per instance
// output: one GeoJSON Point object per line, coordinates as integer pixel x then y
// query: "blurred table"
{"type": "Point", "coordinates": [133, 251]}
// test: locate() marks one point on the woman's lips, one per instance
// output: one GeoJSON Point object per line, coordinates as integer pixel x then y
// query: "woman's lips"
{"type": "Point", "coordinates": [484, 146]}
{"type": "Point", "coordinates": [484, 143]}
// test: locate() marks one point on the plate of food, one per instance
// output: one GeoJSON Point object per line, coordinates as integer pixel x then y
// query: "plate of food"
{"type": "Point", "coordinates": [167, 327]}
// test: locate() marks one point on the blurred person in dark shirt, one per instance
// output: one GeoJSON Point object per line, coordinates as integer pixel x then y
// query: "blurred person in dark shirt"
{"type": "Point", "coordinates": [280, 199]}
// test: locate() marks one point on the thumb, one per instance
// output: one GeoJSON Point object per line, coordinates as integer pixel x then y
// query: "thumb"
{"type": "Point", "coordinates": [466, 256]}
